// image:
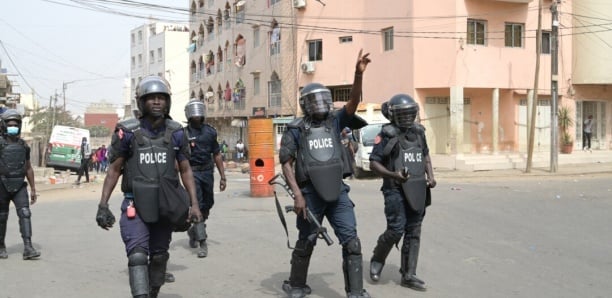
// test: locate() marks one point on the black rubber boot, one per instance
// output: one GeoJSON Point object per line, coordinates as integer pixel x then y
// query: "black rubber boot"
{"type": "Point", "coordinates": [139, 274]}
{"type": "Point", "coordinates": [25, 227]}
{"type": "Point", "coordinates": [157, 272]}
{"type": "Point", "coordinates": [203, 252]}
{"type": "Point", "coordinates": [192, 241]}
{"type": "Point", "coordinates": [352, 267]}
{"type": "Point", "coordinates": [296, 292]}
{"type": "Point", "coordinates": [199, 236]}
{"type": "Point", "coordinates": [381, 251]}
{"type": "Point", "coordinates": [29, 252]}
{"type": "Point", "coordinates": [410, 257]}
{"type": "Point", "coordinates": [3, 220]}
{"type": "Point", "coordinates": [139, 280]}
{"type": "Point", "coordinates": [169, 277]}
{"type": "Point", "coordinates": [296, 286]}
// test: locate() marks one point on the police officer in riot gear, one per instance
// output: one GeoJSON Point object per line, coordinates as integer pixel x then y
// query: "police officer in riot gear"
{"type": "Point", "coordinates": [142, 150]}
{"type": "Point", "coordinates": [314, 164]}
{"type": "Point", "coordinates": [401, 156]}
{"type": "Point", "coordinates": [205, 155]}
{"type": "Point", "coordinates": [15, 166]}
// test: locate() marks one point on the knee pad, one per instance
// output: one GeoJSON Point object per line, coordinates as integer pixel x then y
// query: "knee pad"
{"type": "Point", "coordinates": [303, 248]}
{"type": "Point", "coordinates": [138, 257]}
{"type": "Point", "coordinates": [24, 212]}
{"type": "Point", "coordinates": [160, 258]}
{"type": "Point", "coordinates": [353, 247]}
{"type": "Point", "coordinates": [3, 216]}
{"type": "Point", "coordinates": [157, 269]}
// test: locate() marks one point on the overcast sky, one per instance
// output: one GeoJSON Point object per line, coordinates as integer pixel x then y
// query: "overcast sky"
{"type": "Point", "coordinates": [45, 43]}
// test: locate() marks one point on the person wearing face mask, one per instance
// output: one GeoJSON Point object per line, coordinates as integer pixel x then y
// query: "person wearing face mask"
{"type": "Point", "coordinates": [401, 157]}
{"type": "Point", "coordinates": [15, 166]}
{"type": "Point", "coordinates": [314, 163]}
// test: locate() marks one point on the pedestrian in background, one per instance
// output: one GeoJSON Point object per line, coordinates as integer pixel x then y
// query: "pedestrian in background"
{"type": "Point", "coordinates": [205, 156]}
{"type": "Point", "coordinates": [239, 151]}
{"type": "Point", "coordinates": [85, 159]}
{"type": "Point", "coordinates": [102, 158]}
{"type": "Point", "coordinates": [401, 157]}
{"type": "Point", "coordinates": [587, 132]}
{"type": "Point", "coordinates": [145, 150]}
{"type": "Point", "coordinates": [224, 149]}
{"type": "Point", "coordinates": [15, 166]}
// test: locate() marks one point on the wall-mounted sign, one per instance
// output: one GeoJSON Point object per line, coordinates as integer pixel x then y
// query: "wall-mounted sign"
{"type": "Point", "coordinates": [259, 112]}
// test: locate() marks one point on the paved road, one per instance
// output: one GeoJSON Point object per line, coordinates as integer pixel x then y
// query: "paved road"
{"type": "Point", "coordinates": [529, 235]}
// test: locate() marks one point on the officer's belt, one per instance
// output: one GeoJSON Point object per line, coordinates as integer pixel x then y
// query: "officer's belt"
{"type": "Point", "coordinates": [201, 168]}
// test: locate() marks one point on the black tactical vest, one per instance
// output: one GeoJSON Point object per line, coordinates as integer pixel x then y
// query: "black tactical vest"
{"type": "Point", "coordinates": [151, 157]}
{"type": "Point", "coordinates": [407, 156]}
{"type": "Point", "coordinates": [321, 159]}
{"type": "Point", "coordinates": [12, 164]}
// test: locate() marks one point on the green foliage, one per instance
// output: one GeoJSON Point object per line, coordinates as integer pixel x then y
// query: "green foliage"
{"type": "Point", "coordinates": [565, 122]}
{"type": "Point", "coordinates": [99, 131]}
{"type": "Point", "coordinates": [43, 120]}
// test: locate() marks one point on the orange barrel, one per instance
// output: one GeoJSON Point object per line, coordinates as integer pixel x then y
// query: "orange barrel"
{"type": "Point", "coordinates": [261, 138]}
{"type": "Point", "coordinates": [261, 156]}
{"type": "Point", "coordinates": [262, 170]}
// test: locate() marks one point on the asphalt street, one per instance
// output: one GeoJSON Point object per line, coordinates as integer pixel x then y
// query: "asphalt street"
{"type": "Point", "coordinates": [490, 234]}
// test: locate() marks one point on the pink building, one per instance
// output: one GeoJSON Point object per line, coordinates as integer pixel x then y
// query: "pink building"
{"type": "Point", "coordinates": [470, 64]}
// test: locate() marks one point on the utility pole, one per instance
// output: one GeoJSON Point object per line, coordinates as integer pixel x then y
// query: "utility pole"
{"type": "Point", "coordinates": [534, 103]}
{"type": "Point", "coordinates": [64, 87]}
{"type": "Point", "coordinates": [49, 124]}
{"type": "Point", "coordinates": [554, 92]}
{"type": "Point", "coordinates": [54, 109]}
{"type": "Point", "coordinates": [64, 98]}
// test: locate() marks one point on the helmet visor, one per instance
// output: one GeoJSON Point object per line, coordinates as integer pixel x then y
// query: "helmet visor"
{"type": "Point", "coordinates": [404, 115]}
{"type": "Point", "coordinates": [195, 110]}
{"type": "Point", "coordinates": [318, 104]}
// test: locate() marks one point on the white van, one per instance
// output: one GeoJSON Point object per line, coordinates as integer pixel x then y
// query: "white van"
{"type": "Point", "coordinates": [64, 148]}
{"type": "Point", "coordinates": [364, 137]}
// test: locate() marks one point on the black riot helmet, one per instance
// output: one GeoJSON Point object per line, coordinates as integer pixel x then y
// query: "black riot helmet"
{"type": "Point", "coordinates": [195, 109]}
{"type": "Point", "coordinates": [403, 110]}
{"type": "Point", "coordinates": [384, 108]}
{"type": "Point", "coordinates": [11, 115]}
{"type": "Point", "coordinates": [152, 85]}
{"type": "Point", "coordinates": [316, 101]}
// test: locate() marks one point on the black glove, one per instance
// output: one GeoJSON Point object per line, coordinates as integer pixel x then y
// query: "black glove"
{"type": "Point", "coordinates": [105, 217]}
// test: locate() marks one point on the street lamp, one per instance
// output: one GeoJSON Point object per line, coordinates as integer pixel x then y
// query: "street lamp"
{"type": "Point", "coordinates": [64, 86]}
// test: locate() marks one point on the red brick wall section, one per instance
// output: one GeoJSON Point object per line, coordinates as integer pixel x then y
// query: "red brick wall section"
{"type": "Point", "coordinates": [107, 120]}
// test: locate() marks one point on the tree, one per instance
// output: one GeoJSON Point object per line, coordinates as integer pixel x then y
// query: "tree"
{"type": "Point", "coordinates": [42, 120]}
{"type": "Point", "coordinates": [99, 131]}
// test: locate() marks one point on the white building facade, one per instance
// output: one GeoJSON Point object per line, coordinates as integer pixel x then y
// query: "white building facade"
{"type": "Point", "coordinates": [160, 49]}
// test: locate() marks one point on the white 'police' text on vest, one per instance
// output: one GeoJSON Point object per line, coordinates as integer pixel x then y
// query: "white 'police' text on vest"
{"type": "Point", "coordinates": [320, 143]}
{"type": "Point", "coordinates": [150, 158]}
{"type": "Point", "coordinates": [413, 157]}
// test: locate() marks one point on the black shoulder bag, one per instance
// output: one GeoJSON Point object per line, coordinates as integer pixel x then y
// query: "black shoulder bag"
{"type": "Point", "coordinates": [173, 198]}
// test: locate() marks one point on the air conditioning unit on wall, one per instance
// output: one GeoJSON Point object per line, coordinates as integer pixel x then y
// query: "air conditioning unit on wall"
{"type": "Point", "coordinates": [308, 67]}
{"type": "Point", "coordinates": [299, 3]}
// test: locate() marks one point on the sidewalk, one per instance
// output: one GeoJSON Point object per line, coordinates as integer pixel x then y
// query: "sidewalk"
{"type": "Point", "coordinates": [563, 170]}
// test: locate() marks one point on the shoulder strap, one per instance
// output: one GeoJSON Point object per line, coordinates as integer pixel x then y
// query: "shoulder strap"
{"type": "Point", "coordinates": [296, 123]}
{"type": "Point", "coordinates": [390, 145]}
{"type": "Point", "coordinates": [171, 127]}
{"type": "Point", "coordinates": [390, 131]}
{"type": "Point", "coordinates": [130, 124]}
